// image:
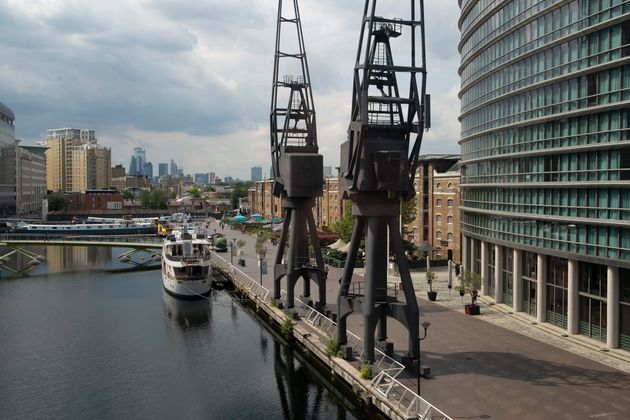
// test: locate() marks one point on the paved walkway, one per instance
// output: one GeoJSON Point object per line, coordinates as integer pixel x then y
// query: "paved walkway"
{"type": "Point", "coordinates": [496, 365]}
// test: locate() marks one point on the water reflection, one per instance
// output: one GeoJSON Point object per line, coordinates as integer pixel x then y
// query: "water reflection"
{"type": "Point", "coordinates": [300, 396]}
{"type": "Point", "coordinates": [63, 259]}
{"type": "Point", "coordinates": [186, 314]}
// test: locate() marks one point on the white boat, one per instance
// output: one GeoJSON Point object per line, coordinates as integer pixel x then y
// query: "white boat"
{"type": "Point", "coordinates": [186, 271]}
{"type": "Point", "coordinates": [113, 228]}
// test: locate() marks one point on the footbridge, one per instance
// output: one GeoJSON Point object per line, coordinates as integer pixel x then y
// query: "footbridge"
{"type": "Point", "coordinates": [18, 244]}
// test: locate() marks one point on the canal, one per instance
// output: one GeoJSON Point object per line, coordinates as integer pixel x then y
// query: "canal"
{"type": "Point", "coordinates": [81, 339]}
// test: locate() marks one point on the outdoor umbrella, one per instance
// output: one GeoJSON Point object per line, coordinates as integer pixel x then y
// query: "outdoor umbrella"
{"type": "Point", "coordinates": [337, 245]}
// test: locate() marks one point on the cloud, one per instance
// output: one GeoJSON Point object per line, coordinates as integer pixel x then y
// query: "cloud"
{"type": "Point", "coordinates": [192, 82]}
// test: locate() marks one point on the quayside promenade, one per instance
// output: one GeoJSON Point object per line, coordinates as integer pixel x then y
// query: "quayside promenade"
{"type": "Point", "coordinates": [493, 366]}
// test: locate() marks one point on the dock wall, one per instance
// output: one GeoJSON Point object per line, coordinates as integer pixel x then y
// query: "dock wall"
{"type": "Point", "coordinates": [312, 330]}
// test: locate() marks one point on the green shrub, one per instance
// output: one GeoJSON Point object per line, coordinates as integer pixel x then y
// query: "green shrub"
{"type": "Point", "coordinates": [332, 348]}
{"type": "Point", "coordinates": [366, 371]}
{"type": "Point", "coordinates": [287, 327]}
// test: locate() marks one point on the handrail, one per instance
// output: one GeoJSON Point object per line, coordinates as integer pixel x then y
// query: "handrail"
{"type": "Point", "coordinates": [385, 368]}
{"type": "Point", "coordinates": [389, 388]}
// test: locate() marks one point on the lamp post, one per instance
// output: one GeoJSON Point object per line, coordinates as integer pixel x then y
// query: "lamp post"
{"type": "Point", "coordinates": [425, 325]}
{"type": "Point", "coordinates": [232, 251]}
{"type": "Point", "coordinates": [261, 259]}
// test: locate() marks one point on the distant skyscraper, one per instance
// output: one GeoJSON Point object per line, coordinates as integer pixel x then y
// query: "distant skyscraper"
{"type": "Point", "coordinates": [133, 166]}
{"type": "Point", "coordinates": [162, 169]}
{"type": "Point", "coordinates": [327, 171]}
{"type": "Point", "coordinates": [256, 173]}
{"type": "Point", "coordinates": [148, 170]}
{"type": "Point", "coordinates": [138, 162]}
{"type": "Point", "coordinates": [174, 171]}
{"type": "Point", "coordinates": [212, 177]}
{"type": "Point", "coordinates": [201, 179]}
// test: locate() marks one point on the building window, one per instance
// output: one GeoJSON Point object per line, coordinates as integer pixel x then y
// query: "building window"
{"type": "Point", "coordinates": [449, 236]}
{"type": "Point", "coordinates": [557, 279]}
{"type": "Point", "coordinates": [450, 202]}
{"type": "Point", "coordinates": [450, 219]}
{"type": "Point", "coordinates": [438, 202]}
{"type": "Point", "coordinates": [450, 186]}
{"type": "Point", "coordinates": [438, 186]}
{"type": "Point", "coordinates": [592, 288]}
{"type": "Point", "coordinates": [438, 218]}
{"type": "Point", "coordinates": [438, 234]}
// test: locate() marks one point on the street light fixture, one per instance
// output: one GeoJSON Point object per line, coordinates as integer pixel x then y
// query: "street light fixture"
{"type": "Point", "coordinates": [425, 325]}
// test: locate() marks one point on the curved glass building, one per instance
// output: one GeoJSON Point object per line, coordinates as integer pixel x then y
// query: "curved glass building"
{"type": "Point", "coordinates": [545, 140]}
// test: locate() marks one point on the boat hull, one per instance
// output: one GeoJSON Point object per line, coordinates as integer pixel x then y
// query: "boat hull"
{"type": "Point", "coordinates": [187, 289]}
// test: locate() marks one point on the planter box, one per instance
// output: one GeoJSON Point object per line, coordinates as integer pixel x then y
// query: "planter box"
{"type": "Point", "coordinates": [472, 309]}
{"type": "Point", "coordinates": [432, 296]}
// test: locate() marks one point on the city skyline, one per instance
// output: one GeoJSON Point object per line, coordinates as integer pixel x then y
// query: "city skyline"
{"type": "Point", "coordinates": [184, 77]}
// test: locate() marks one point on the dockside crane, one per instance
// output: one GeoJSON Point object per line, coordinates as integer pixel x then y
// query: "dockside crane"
{"type": "Point", "coordinates": [378, 166]}
{"type": "Point", "coordinates": [297, 165]}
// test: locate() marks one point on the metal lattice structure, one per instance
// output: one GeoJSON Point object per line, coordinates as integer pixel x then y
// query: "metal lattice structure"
{"type": "Point", "coordinates": [297, 165]}
{"type": "Point", "coordinates": [378, 165]}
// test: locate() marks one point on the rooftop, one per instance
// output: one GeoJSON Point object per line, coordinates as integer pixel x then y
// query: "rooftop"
{"type": "Point", "coordinates": [7, 111]}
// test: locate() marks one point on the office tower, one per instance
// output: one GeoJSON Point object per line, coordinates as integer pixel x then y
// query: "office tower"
{"type": "Point", "coordinates": [7, 162]}
{"type": "Point", "coordinates": [201, 179]}
{"type": "Point", "coordinates": [162, 169]}
{"type": "Point", "coordinates": [174, 171]}
{"type": "Point", "coordinates": [256, 173]}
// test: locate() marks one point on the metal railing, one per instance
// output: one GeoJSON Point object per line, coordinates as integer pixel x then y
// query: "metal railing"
{"type": "Point", "coordinates": [385, 369]}
{"type": "Point", "coordinates": [406, 400]}
{"type": "Point", "coordinates": [243, 280]}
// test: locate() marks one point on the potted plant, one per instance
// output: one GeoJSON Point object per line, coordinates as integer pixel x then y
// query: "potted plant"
{"type": "Point", "coordinates": [471, 283]}
{"type": "Point", "coordinates": [431, 294]}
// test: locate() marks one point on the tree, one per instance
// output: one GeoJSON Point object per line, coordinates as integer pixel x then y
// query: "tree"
{"type": "Point", "coordinates": [155, 199]}
{"type": "Point", "coordinates": [128, 195]}
{"type": "Point", "coordinates": [343, 227]}
{"type": "Point", "coordinates": [57, 201]}
{"type": "Point", "coordinates": [209, 188]}
{"type": "Point", "coordinates": [194, 192]}
{"type": "Point", "coordinates": [408, 211]}
{"type": "Point", "coordinates": [239, 190]}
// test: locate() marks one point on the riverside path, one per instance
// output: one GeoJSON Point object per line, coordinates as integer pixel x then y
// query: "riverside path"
{"type": "Point", "coordinates": [495, 366]}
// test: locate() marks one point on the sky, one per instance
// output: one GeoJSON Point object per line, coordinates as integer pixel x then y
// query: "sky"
{"type": "Point", "coordinates": [191, 81]}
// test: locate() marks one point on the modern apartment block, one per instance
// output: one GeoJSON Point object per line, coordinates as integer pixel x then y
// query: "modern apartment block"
{"type": "Point", "coordinates": [74, 161]}
{"type": "Point", "coordinates": [7, 162]}
{"type": "Point", "coordinates": [30, 180]}
{"type": "Point", "coordinates": [545, 140]}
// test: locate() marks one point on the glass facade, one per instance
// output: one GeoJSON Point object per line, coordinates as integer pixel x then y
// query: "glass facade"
{"type": "Point", "coordinates": [506, 276]}
{"type": "Point", "coordinates": [557, 291]}
{"type": "Point", "coordinates": [592, 285]}
{"type": "Point", "coordinates": [8, 161]}
{"type": "Point", "coordinates": [529, 270]}
{"type": "Point", "coordinates": [491, 268]}
{"type": "Point", "coordinates": [545, 119]}
{"type": "Point", "coordinates": [624, 309]}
